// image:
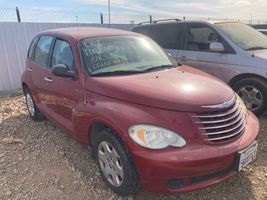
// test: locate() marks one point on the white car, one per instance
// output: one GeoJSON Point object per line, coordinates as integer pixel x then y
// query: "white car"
{"type": "Point", "coordinates": [232, 51]}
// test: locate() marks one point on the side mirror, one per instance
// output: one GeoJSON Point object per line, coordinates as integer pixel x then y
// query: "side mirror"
{"type": "Point", "coordinates": [216, 47]}
{"type": "Point", "coordinates": [170, 55]}
{"type": "Point", "coordinates": [63, 71]}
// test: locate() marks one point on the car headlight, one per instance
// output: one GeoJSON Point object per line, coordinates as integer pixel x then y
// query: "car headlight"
{"type": "Point", "coordinates": [244, 108]}
{"type": "Point", "coordinates": [153, 137]}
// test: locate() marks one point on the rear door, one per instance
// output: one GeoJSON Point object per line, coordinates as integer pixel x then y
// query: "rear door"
{"type": "Point", "coordinates": [196, 52]}
{"type": "Point", "coordinates": [41, 73]}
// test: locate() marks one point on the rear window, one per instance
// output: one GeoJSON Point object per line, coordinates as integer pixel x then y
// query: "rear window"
{"type": "Point", "coordinates": [166, 35]}
{"type": "Point", "coordinates": [31, 48]}
{"type": "Point", "coordinates": [41, 54]}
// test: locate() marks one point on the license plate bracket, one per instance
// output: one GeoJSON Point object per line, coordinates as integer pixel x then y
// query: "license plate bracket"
{"type": "Point", "coordinates": [246, 156]}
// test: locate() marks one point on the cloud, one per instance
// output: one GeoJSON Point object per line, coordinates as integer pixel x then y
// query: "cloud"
{"type": "Point", "coordinates": [138, 10]}
{"type": "Point", "coordinates": [242, 3]}
{"type": "Point", "coordinates": [172, 8]}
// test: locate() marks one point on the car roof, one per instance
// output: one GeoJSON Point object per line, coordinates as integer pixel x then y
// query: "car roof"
{"type": "Point", "coordinates": [187, 21]}
{"type": "Point", "coordinates": [78, 33]}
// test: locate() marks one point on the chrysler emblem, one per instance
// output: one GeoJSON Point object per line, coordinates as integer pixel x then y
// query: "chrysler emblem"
{"type": "Point", "coordinates": [226, 104]}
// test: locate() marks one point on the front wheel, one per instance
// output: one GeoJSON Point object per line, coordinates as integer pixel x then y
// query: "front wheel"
{"type": "Point", "coordinates": [253, 92]}
{"type": "Point", "coordinates": [115, 163]}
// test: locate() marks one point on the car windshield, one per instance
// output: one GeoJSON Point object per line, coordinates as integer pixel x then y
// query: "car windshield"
{"type": "Point", "coordinates": [122, 54]}
{"type": "Point", "coordinates": [244, 36]}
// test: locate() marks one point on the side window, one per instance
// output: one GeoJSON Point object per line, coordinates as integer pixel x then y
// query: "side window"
{"type": "Point", "coordinates": [200, 37]}
{"type": "Point", "coordinates": [31, 48]}
{"type": "Point", "coordinates": [62, 54]}
{"type": "Point", "coordinates": [166, 35]}
{"type": "Point", "coordinates": [41, 54]}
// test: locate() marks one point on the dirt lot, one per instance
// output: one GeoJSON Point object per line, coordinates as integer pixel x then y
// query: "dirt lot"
{"type": "Point", "coordinates": [42, 162]}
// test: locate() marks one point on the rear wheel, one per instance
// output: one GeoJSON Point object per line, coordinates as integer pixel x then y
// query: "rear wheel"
{"type": "Point", "coordinates": [253, 92]}
{"type": "Point", "coordinates": [115, 163]}
{"type": "Point", "coordinates": [34, 112]}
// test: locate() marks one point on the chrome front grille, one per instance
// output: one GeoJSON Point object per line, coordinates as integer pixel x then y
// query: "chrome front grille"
{"type": "Point", "coordinates": [222, 125]}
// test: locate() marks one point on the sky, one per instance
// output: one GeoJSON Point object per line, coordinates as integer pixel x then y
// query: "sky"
{"type": "Point", "coordinates": [137, 10]}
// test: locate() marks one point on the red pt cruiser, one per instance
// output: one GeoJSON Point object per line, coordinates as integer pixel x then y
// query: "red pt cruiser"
{"type": "Point", "coordinates": [150, 123]}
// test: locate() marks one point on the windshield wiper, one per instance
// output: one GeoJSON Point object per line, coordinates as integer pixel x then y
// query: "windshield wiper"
{"type": "Point", "coordinates": [127, 72]}
{"type": "Point", "coordinates": [255, 48]}
{"type": "Point", "coordinates": [115, 73]}
{"type": "Point", "coordinates": [159, 67]}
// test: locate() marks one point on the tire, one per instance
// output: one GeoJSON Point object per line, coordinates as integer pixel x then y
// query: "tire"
{"type": "Point", "coordinates": [120, 163]}
{"type": "Point", "coordinates": [33, 111]}
{"type": "Point", "coordinates": [253, 92]}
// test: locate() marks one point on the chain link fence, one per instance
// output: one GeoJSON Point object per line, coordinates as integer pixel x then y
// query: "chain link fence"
{"type": "Point", "coordinates": [48, 16]}
{"type": "Point", "coordinates": [83, 16]}
{"type": "Point", "coordinates": [67, 16]}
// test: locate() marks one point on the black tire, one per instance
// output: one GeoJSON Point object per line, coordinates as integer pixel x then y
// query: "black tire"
{"type": "Point", "coordinates": [130, 183]}
{"type": "Point", "coordinates": [260, 85]}
{"type": "Point", "coordinates": [36, 115]}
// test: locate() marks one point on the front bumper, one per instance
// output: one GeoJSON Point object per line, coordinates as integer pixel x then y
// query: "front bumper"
{"type": "Point", "coordinates": [192, 167]}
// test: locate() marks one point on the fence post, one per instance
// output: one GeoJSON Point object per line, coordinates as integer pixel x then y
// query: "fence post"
{"type": "Point", "coordinates": [18, 14]}
{"type": "Point", "coordinates": [108, 13]}
{"type": "Point", "coordinates": [150, 19]}
{"type": "Point", "coordinates": [101, 18]}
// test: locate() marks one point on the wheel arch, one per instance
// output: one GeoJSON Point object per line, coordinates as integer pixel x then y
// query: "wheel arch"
{"type": "Point", "coordinates": [24, 86]}
{"type": "Point", "coordinates": [96, 127]}
{"type": "Point", "coordinates": [239, 77]}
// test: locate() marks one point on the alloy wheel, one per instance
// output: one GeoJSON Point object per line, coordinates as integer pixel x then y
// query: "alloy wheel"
{"type": "Point", "coordinates": [30, 104]}
{"type": "Point", "coordinates": [110, 163]}
{"type": "Point", "coordinates": [251, 96]}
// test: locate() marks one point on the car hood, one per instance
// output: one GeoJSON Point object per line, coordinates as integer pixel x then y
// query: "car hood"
{"type": "Point", "coordinates": [178, 89]}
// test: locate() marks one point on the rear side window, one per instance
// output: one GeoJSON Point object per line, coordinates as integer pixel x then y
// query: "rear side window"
{"type": "Point", "coordinates": [31, 48]}
{"type": "Point", "coordinates": [41, 55]}
{"type": "Point", "coordinates": [62, 54]}
{"type": "Point", "coordinates": [168, 36]}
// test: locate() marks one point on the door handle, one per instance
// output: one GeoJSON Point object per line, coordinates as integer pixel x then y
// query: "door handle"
{"type": "Point", "coordinates": [29, 69]}
{"type": "Point", "coordinates": [183, 58]}
{"type": "Point", "coordinates": [48, 79]}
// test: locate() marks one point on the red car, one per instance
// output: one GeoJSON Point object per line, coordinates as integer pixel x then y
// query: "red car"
{"type": "Point", "coordinates": [150, 123]}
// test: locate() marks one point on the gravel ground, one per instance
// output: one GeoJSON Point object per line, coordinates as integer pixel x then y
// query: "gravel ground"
{"type": "Point", "coordinates": [39, 161]}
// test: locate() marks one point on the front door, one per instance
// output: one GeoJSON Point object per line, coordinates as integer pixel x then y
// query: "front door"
{"type": "Point", "coordinates": [64, 93]}
{"type": "Point", "coordinates": [196, 52]}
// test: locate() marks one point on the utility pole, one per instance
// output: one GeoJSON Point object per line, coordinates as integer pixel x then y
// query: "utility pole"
{"type": "Point", "coordinates": [109, 12]}
{"type": "Point", "coordinates": [150, 19]}
{"type": "Point", "coordinates": [18, 14]}
{"type": "Point", "coordinates": [101, 18]}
